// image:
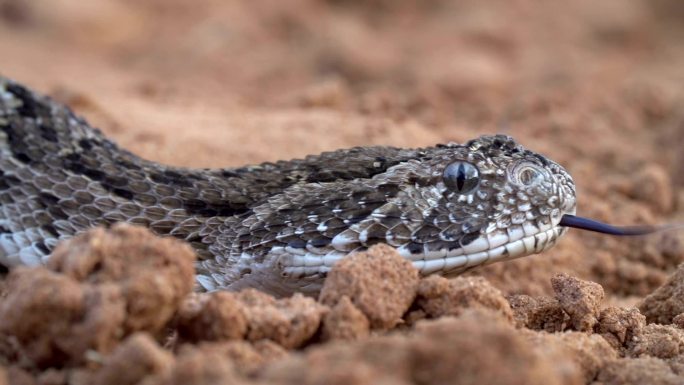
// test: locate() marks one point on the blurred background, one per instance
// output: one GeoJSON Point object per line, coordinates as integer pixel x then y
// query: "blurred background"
{"type": "Point", "coordinates": [595, 85]}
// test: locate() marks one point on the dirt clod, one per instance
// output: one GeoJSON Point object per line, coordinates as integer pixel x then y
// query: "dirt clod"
{"type": "Point", "coordinates": [248, 358]}
{"type": "Point", "coordinates": [152, 274]}
{"type": "Point", "coordinates": [379, 282]}
{"type": "Point", "coordinates": [214, 316]}
{"type": "Point", "coordinates": [646, 370]}
{"type": "Point", "coordinates": [101, 286]}
{"type": "Point", "coordinates": [678, 320]}
{"type": "Point", "coordinates": [56, 319]}
{"type": "Point", "coordinates": [428, 356]}
{"type": "Point", "coordinates": [580, 299]}
{"type": "Point", "coordinates": [620, 326]}
{"type": "Point", "coordinates": [667, 301]}
{"type": "Point", "coordinates": [541, 313]}
{"type": "Point", "coordinates": [288, 321]}
{"type": "Point", "coordinates": [438, 296]}
{"type": "Point", "coordinates": [138, 359]}
{"type": "Point", "coordinates": [588, 352]}
{"type": "Point", "coordinates": [345, 322]}
{"type": "Point", "coordinates": [201, 367]}
{"type": "Point", "coordinates": [662, 341]}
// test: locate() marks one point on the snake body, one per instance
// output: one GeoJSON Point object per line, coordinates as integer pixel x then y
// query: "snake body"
{"type": "Point", "coordinates": [276, 226]}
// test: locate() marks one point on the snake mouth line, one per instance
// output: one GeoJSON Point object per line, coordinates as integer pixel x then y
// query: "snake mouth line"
{"type": "Point", "coordinates": [484, 250]}
{"type": "Point", "coordinates": [454, 264]}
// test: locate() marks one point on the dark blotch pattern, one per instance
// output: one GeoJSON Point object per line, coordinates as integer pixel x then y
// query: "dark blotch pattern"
{"type": "Point", "coordinates": [48, 133]}
{"type": "Point", "coordinates": [41, 246]}
{"type": "Point", "coordinates": [469, 238]}
{"type": "Point", "coordinates": [16, 143]}
{"type": "Point", "coordinates": [30, 106]}
{"type": "Point", "coordinates": [7, 181]}
{"type": "Point", "coordinates": [171, 178]}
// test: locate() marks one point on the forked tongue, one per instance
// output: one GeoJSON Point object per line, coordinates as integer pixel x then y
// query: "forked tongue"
{"type": "Point", "coordinates": [604, 228]}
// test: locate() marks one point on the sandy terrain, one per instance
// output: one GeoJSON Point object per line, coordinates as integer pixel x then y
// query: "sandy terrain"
{"type": "Point", "coordinates": [596, 86]}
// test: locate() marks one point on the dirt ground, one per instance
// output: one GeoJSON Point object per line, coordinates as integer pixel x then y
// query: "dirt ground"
{"type": "Point", "coordinates": [596, 86]}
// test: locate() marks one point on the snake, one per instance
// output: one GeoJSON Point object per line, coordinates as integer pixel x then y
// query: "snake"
{"type": "Point", "coordinates": [280, 226]}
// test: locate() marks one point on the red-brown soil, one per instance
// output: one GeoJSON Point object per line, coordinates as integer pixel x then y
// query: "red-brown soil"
{"type": "Point", "coordinates": [596, 86]}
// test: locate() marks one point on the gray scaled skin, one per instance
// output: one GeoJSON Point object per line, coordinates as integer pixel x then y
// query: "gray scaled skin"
{"type": "Point", "coordinates": [278, 227]}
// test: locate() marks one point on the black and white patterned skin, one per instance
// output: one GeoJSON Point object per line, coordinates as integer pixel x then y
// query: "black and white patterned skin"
{"type": "Point", "coordinates": [276, 226]}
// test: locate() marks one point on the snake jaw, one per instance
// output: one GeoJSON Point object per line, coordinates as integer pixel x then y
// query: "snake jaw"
{"type": "Point", "coordinates": [485, 250]}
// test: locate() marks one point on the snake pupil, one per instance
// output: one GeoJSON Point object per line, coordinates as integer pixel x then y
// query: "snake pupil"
{"type": "Point", "coordinates": [461, 177]}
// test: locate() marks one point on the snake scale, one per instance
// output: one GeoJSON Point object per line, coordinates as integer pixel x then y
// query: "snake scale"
{"type": "Point", "coordinates": [276, 226]}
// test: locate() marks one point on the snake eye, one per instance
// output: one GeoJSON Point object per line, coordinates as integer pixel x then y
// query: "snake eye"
{"type": "Point", "coordinates": [461, 177]}
{"type": "Point", "coordinates": [529, 176]}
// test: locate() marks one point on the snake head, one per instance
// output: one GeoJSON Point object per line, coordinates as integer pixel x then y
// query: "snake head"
{"type": "Point", "coordinates": [466, 205]}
